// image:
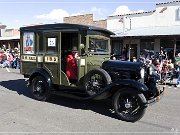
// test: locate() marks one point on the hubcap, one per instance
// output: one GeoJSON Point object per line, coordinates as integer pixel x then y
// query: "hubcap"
{"type": "Point", "coordinates": [95, 84]}
{"type": "Point", "coordinates": [39, 88]}
{"type": "Point", "coordinates": [128, 104]}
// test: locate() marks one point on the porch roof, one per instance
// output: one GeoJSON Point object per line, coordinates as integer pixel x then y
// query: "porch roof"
{"type": "Point", "coordinates": [10, 38]}
{"type": "Point", "coordinates": [150, 31]}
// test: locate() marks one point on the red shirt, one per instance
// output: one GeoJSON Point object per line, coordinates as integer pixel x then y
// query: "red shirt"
{"type": "Point", "coordinates": [71, 67]}
{"type": "Point", "coordinates": [2, 55]}
{"type": "Point", "coordinates": [10, 57]}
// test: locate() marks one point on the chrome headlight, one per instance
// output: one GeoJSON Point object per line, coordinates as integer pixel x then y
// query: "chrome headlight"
{"type": "Point", "coordinates": [142, 72]}
{"type": "Point", "coordinates": [150, 70]}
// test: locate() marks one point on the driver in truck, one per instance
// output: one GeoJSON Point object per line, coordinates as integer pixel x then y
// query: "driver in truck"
{"type": "Point", "coordinates": [71, 65]}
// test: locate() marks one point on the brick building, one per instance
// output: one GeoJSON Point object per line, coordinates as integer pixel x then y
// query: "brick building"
{"type": "Point", "coordinates": [86, 19]}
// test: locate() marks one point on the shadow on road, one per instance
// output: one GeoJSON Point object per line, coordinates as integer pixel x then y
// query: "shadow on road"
{"type": "Point", "coordinates": [17, 85]}
{"type": "Point", "coordinates": [103, 107]}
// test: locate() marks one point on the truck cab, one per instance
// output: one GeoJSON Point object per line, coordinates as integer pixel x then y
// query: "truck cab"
{"type": "Point", "coordinates": [50, 45]}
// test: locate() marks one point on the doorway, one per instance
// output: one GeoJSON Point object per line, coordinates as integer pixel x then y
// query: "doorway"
{"type": "Point", "coordinates": [132, 51]}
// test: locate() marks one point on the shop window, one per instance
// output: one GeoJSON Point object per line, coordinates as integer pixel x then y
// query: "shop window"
{"type": "Point", "coordinates": [147, 46]}
{"type": "Point", "coordinates": [178, 14]}
{"type": "Point", "coordinates": [117, 47]}
{"type": "Point", "coordinates": [167, 45]}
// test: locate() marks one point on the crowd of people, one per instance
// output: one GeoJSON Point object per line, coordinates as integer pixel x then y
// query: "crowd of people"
{"type": "Point", "coordinates": [9, 58]}
{"type": "Point", "coordinates": [166, 68]}
{"type": "Point", "coordinates": [163, 66]}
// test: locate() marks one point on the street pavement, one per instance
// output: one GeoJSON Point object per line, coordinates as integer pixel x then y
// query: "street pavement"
{"type": "Point", "coordinates": [21, 114]}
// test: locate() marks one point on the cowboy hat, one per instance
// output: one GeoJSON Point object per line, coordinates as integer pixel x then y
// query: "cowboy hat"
{"type": "Point", "coordinates": [74, 49]}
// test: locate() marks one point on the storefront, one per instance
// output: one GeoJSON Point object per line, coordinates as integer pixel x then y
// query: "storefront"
{"type": "Point", "coordinates": [147, 32]}
{"type": "Point", "coordinates": [10, 42]}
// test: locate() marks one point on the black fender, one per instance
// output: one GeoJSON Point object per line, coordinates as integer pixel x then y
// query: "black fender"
{"type": "Point", "coordinates": [40, 72]}
{"type": "Point", "coordinates": [117, 85]}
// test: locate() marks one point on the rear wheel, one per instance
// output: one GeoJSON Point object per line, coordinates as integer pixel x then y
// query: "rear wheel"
{"type": "Point", "coordinates": [129, 104]}
{"type": "Point", "coordinates": [40, 88]}
{"type": "Point", "coordinates": [95, 80]}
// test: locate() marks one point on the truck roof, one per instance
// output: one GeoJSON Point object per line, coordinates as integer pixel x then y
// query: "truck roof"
{"type": "Point", "coordinates": [63, 26]}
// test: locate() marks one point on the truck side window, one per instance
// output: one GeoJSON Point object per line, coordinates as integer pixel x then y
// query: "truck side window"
{"type": "Point", "coordinates": [51, 43]}
{"type": "Point", "coordinates": [41, 49]}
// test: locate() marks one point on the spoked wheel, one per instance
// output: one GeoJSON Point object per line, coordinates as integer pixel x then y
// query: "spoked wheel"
{"type": "Point", "coordinates": [129, 105]}
{"type": "Point", "coordinates": [95, 81]}
{"type": "Point", "coordinates": [40, 88]}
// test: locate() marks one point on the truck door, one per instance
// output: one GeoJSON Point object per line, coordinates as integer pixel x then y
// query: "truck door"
{"type": "Point", "coordinates": [52, 56]}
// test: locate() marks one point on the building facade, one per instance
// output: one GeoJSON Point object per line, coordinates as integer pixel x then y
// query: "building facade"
{"type": "Point", "coordinates": [147, 32]}
{"type": "Point", "coordinates": [136, 33]}
{"type": "Point", "coordinates": [9, 37]}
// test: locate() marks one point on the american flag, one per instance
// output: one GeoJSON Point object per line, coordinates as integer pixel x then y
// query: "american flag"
{"type": "Point", "coordinates": [121, 20]}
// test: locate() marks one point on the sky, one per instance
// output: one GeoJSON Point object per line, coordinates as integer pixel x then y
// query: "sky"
{"type": "Point", "coordinates": [15, 14]}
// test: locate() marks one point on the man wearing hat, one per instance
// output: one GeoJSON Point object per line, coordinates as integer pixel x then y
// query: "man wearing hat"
{"type": "Point", "coordinates": [71, 65]}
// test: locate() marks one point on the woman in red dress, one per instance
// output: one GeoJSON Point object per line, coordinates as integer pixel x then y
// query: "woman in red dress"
{"type": "Point", "coordinates": [71, 66]}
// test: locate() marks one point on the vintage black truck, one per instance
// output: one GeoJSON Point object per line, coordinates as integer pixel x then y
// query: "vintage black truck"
{"type": "Point", "coordinates": [44, 49]}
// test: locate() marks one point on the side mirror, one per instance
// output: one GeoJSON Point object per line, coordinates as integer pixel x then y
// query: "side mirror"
{"type": "Point", "coordinates": [82, 46]}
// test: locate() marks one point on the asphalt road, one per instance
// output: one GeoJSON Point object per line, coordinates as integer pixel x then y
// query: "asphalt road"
{"type": "Point", "coordinates": [21, 114]}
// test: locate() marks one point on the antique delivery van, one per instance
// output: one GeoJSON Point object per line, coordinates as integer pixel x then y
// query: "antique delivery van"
{"type": "Point", "coordinates": [44, 50]}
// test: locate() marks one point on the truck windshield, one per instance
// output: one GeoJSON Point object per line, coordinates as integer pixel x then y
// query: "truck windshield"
{"type": "Point", "coordinates": [98, 46]}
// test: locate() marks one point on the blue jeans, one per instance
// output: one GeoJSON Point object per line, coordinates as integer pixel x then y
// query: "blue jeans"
{"type": "Point", "coordinates": [17, 64]}
{"type": "Point", "coordinates": [178, 80]}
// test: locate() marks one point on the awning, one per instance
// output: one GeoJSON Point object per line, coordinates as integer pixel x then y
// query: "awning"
{"type": "Point", "coordinates": [150, 31]}
{"type": "Point", "coordinates": [10, 38]}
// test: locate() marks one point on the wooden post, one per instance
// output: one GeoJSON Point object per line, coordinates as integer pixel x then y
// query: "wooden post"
{"type": "Point", "coordinates": [9, 45]}
{"type": "Point", "coordinates": [18, 45]}
{"type": "Point", "coordinates": [174, 47]}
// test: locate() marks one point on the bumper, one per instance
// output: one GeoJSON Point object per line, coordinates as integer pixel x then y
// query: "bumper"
{"type": "Point", "coordinates": [160, 94]}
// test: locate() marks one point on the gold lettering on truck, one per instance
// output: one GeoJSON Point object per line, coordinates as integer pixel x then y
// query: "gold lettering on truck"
{"type": "Point", "coordinates": [28, 58]}
{"type": "Point", "coordinates": [51, 59]}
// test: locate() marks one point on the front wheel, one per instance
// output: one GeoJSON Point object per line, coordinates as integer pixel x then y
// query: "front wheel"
{"type": "Point", "coordinates": [129, 104]}
{"type": "Point", "coordinates": [40, 88]}
{"type": "Point", "coordinates": [95, 81]}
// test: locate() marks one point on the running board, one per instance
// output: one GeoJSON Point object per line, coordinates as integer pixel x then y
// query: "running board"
{"type": "Point", "coordinates": [75, 95]}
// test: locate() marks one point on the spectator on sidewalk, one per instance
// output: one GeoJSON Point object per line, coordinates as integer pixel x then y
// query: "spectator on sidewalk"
{"type": "Point", "coordinates": [178, 70]}
{"type": "Point", "coordinates": [9, 58]}
{"type": "Point", "coordinates": [2, 58]}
